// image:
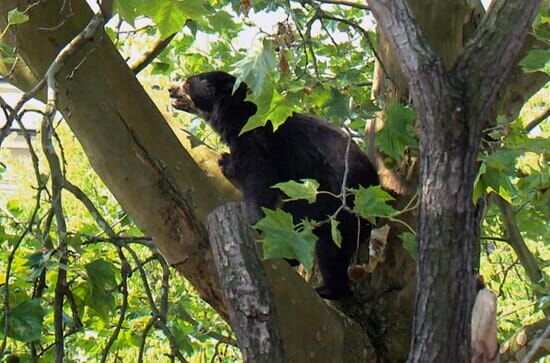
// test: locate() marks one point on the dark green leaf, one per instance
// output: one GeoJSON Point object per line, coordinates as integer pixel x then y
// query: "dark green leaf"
{"type": "Point", "coordinates": [25, 321]}
{"type": "Point", "coordinates": [101, 273]}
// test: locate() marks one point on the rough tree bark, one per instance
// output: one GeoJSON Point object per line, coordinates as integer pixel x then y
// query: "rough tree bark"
{"type": "Point", "coordinates": [245, 287]}
{"type": "Point", "coordinates": [452, 106]}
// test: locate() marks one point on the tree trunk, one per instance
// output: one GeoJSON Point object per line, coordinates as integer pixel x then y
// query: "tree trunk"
{"type": "Point", "coordinates": [245, 287]}
{"type": "Point", "coordinates": [452, 107]}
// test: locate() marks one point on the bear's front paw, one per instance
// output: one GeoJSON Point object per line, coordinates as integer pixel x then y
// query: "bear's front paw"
{"type": "Point", "coordinates": [226, 165]}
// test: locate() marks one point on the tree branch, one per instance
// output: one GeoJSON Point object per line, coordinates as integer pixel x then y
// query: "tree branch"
{"type": "Point", "coordinates": [397, 23]}
{"type": "Point", "coordinates": [494, 49]}
{"type": "Point", "coordinates": [538, 120]}
{"type": "Point", "coordinates": [516, 241]}
{"type": "Point", "coordinates": [352, 4]}
{"type": "Point", "coordinates": [151, 54]}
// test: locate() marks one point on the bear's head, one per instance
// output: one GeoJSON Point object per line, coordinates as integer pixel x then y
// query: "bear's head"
{"type": "Point", "coordinates": [201, 93]}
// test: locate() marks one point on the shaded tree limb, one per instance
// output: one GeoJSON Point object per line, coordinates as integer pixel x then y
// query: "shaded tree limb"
{"type": "Point", "coordinates": [516, 241]}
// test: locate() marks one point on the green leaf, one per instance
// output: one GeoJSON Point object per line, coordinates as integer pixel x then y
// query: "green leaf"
{"type": "Point", "coordinates": [537, 60]}
{"type": "Point", "coordinates": [169, 17]}
{"type": "Point", "coordinates": [255, 69]}
{"type": "Point", "coordinates": [17, 17]}
{"type": "Point", "coordinates": [397, 132]}
{"type": "Point", "coordinates": [281, 239]}
{"type": "Point", "coordinates": [221, 20]}
{"type": "Point", "coordinates": [371, 203]}
{"type": "Point", "coordinates": [25, 321]}
{"type": "Point", "coordinates": [307, 189]}
{"type": "Point", "coordinates": [337, 105]}
{"type": "Point", "coordinates": [335, 232]}
{"type": "Point", "coordinates": [101, 277]}
{"type": "Point", "coordinates": [126, 9]}
{"type": "Point", "coordinates": [409, 243]}
{"type": "Point", "coordinates": [495, 174]}
{"type": "Point", "coordinates": [101, 273]}
{"type": "Point", "coordinates": [272, 106]}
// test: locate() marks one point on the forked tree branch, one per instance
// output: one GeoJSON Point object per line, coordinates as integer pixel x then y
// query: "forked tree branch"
{"type": "Point", "coordinates": [494, 49]}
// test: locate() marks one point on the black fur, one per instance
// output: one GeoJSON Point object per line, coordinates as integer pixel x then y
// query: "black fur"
{"type": "Point", "coordinates": [303, 147]}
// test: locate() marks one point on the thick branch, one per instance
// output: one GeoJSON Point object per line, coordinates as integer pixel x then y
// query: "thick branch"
{"type": "Point", "coordinates": [494, 49]}
{"type": "Point", "coordinates": [516, 240]}
{"type": "Point", "coordinates": [397, 23]}
{"type": "Point", "coordinates": [245, 287]}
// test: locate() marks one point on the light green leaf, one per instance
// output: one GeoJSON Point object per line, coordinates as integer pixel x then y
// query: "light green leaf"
{"type": "Point", "coordinates": [335, 232]}
{"type": "Point", "coordinates": [256, 68]}
{"type": "Point", "coordinates": [537, 60]}
{"type": "Point", "coordinates": [371, 203]}
{"type": "Point", "coordinates": [409, 243]}
{"type": "Point", "coordinates": [281, 239]}
{"type": "Point", "coordinates": [307, 189]}
{"type": "Point", "coordinates": [17, 17]}
{"type": "Point", "coordinates": [396, 134]}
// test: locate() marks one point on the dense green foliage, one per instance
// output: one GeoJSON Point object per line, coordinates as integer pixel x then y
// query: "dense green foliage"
{"type": "Point", "coordinates": [313, 59]}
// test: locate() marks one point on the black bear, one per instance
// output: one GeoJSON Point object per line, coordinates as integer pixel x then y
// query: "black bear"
{"type": "Point", "coordinates": [303, 147]}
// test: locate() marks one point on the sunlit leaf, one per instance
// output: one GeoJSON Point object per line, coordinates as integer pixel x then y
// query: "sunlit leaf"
{"type": "Point", "coordinates": [255, 69]}
{"type": "Point", "coordinates": [305, 189]}
{"type": "Point", "coordinates": [372, 202]}
{"type": "Point", "coordinates": [537, 60]}
{"type": "Point", "coordinates": [335, 232]}
{"type": "Point", "coordinates": [17, 17]}
{"type": "Point", "coordinates": [396, 134]}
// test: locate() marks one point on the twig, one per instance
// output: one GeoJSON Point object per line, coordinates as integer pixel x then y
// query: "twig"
{"type": "Point", "coordinates": [144, 338]}
{"type": "Point", "coordinates": [352, 4]}
{"type": "Point", "coordinates": [151, 54]}
{"type": "Point", "coordinates": [538, 120]}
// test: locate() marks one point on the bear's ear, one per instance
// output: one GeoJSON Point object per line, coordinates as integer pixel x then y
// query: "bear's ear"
{"type": "Point", "coordinates": [240, 92]}
{"type": "Point", "coordinates": [251, 107]}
